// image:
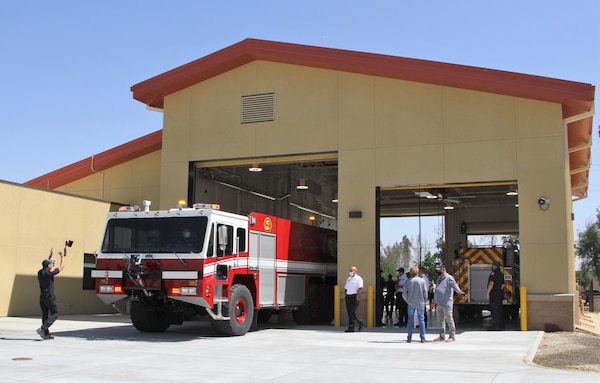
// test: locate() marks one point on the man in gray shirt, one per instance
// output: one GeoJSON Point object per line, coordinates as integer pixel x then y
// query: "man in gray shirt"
{"type": "Point", "coordinates": [444, 301]}
{"type": "Point", "coordinates": [415, 295]}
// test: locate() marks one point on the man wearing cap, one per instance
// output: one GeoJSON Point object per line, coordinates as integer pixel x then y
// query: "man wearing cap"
{"type": "Point", "coordinates": [444, 303]}
{"type": "Point", "coordinates": [495, 294]}
{"type": "Point", "coordinates": [48, 302]}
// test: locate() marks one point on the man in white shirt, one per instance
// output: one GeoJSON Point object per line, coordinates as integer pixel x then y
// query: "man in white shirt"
{"type": "Point", "coordinates": [353, 288]}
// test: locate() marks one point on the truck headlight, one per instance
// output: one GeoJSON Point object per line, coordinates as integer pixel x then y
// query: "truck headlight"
{"type": "Point", "coordinates": [106, 289]}
{"type": "Point", "coordinates": [188, 290]}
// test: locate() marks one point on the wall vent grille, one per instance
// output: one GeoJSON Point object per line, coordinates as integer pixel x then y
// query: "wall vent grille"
{"type": "Point", "coordinates": [258, 108]}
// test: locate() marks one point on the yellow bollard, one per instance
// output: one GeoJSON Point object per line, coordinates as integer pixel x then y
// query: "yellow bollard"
{"type": "Point", "coordinates": [336, 306]}
{"type": "Point", "coordinates": [370, 306]}
{"type": "Point", "coordinates": [582, 304]}
{"type": "Point", "coordinates": [523, 299]}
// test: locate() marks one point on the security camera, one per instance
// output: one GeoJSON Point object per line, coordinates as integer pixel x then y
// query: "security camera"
{"type": "Point", "coordinates": [543, 201]}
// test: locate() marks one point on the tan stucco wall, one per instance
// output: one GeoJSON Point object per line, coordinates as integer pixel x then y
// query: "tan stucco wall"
{"type": "Point", "coordinates": [129, 183]}
{"type": "Point", "coordinates": [386, 133]}
{"type": "Point", "coordinates": [32, 222]}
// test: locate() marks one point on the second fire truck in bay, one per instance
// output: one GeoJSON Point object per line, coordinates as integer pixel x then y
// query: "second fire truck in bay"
{"type": "Point", "coordinates": [176, 264]}
{"type": "Point", "coordinates": [471, 270]}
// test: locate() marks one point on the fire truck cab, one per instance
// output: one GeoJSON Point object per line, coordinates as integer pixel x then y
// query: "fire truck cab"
{"type": "Point", "coordinates": [177, 263]}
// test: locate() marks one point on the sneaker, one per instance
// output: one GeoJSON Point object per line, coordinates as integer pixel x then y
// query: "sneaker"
{"type": "Point", "coordinates": [349, 330]}
{"type": "Point", "coordinates": [450, 340]}
{"type": "Point", "coordinates": [408, 341]}
{"type": "Point", "coordinates": [41, 333]}
{"type": "Point", "coordinates": [439, 339]}
{"type": "Point", "coordinates": [48, 337]}
{"type": "Point", "coordinates": [423, 341]}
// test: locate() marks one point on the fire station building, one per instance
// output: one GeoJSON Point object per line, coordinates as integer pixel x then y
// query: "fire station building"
{"type": "Point", "coordinates": [342, 139]}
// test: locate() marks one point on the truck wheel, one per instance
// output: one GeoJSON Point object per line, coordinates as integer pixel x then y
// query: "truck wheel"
{"type": "Point", "coordinates": [146, 320]}
{"type": "Point", "coordinates": [239, 309]}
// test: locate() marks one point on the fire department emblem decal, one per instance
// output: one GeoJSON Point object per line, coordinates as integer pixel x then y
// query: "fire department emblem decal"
{"type": "Point", "coordinates": [268, 225]}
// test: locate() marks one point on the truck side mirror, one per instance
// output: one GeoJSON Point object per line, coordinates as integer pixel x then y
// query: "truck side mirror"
{"type": "Point", "coordinates": [222, 237]}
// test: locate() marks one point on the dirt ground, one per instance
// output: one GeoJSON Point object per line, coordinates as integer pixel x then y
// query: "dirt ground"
{"type": "Point", "coordinates": [578, 350]}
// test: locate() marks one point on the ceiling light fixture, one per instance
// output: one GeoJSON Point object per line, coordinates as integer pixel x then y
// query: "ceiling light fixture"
{"type": "Point", "coordinates": [512, 191]}
{"type": "Point", "coordinates": [255, 168]}
{"type": "Point", "coordinates": [302, 185]}
{"type": "Point", "coordinates": [448, 207]}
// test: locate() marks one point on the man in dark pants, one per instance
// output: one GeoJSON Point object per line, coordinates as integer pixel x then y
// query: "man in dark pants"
{"type": "Point", "coordinates": [401, 304]}
{"type": "Point", "coordinates": [353, 288]}
{"type": "Point", "coordinates": [495, 294]}
{"type": "Point", "coordinates": [48, 302]}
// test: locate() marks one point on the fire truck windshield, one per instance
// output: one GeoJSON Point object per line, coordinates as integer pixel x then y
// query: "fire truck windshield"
{"type": "Point", "coordinates": [155, 235]}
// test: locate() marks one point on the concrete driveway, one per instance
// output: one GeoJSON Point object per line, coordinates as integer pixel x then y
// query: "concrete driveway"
{"type": "Point", "coordinates": [107, 348]}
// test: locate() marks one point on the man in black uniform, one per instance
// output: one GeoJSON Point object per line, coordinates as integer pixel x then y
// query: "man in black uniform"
{"type": "Point", "coordinates": [495, 294]}
{"type": "Point", "coordinates": [48, 302]}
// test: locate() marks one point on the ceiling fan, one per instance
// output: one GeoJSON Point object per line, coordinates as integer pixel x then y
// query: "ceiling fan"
{"type": "Point", "coordinates": [440, 197]}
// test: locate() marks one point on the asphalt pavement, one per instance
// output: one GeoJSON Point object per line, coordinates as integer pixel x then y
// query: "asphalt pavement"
{"type": "Point", "coordinates": [107, 348]}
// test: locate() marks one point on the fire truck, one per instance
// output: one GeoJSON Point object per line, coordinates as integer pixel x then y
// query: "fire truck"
{"type": "Point", "coordinates": [174, 265]}
{"type": "Point", "coordinates": [472, 269]}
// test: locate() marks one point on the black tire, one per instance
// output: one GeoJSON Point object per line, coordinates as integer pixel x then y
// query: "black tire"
{"type": "Point", "coordinates": [147, 320]}
{"type": "Point", "coordinates": [239, 309]}
{"type": "Point", "coordinates": [309, 313]}
{"type": "Point", "coordinates": [326, 303]}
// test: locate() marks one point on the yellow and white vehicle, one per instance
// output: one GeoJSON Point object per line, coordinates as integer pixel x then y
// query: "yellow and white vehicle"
{"type": "Point", "coordinates": [471, 271]}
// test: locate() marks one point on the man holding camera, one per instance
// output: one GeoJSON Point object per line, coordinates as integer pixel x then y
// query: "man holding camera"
{"type": "Point", "coordinates": [48, 302]}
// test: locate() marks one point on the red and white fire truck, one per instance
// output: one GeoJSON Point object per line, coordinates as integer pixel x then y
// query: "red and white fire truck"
{"type": "Point", "coordinates": [178, 263]}
{"type": "Point", "coordinates": [472, 269]}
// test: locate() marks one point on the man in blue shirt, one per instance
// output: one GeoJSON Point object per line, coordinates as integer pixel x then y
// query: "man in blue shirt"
{"type": "Point", "coordinates": [48, 302]}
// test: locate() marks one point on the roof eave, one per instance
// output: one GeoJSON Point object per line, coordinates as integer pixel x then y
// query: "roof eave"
{"type": "Point", "coordinates": [99, 162]}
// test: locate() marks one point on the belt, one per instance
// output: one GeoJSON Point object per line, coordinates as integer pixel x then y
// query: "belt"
{"type": "Point", "coordinates": [350, 295]}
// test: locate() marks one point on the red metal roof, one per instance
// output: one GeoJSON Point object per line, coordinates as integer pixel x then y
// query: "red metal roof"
{"type": "Point", "coordinates": [576, 98]}
{"type": "Point", "coordinates": [99, 162]}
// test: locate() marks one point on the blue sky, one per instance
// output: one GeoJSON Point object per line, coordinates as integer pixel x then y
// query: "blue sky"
{"type": "Point", "coordinates": [67, 66]}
